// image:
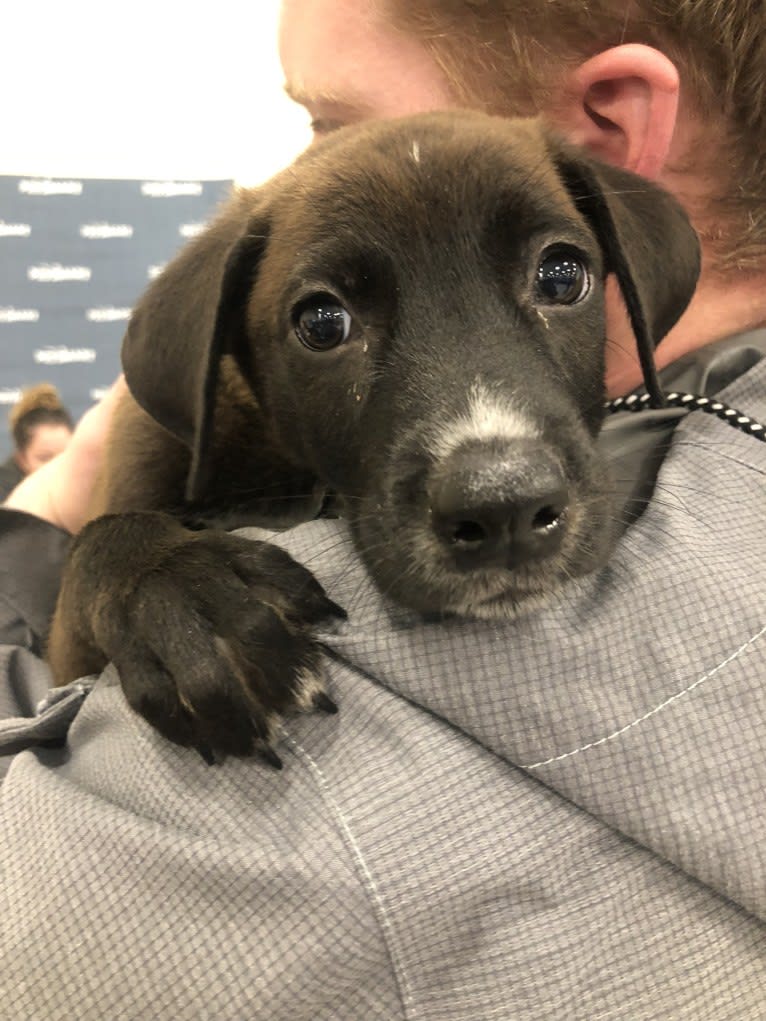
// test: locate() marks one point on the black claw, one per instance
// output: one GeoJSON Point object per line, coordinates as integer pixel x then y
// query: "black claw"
{"type": "Point", "coordinates": [325, 703]}
{"type": "Point", "coordinates": [271, 757]}
{"type": "Point", "coordinates": [336, 611]}
{"type": "Point", "coordinates": [206, 754]}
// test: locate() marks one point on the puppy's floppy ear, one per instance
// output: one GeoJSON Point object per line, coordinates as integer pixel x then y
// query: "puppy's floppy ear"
{"type": "Point", "coordinates": [648, 243]}
{"type": "Point", "coordinates": [185, 322]}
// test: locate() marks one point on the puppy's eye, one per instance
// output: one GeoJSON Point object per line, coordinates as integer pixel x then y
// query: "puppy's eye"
{"type": "Point", "coordinates": [562, 278]}
{"type": "Point", "coordinates": [321, 323]}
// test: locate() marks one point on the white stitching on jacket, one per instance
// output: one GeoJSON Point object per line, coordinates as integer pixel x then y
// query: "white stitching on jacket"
{"type": "Point", "coordinates": [369, 881]}
{"type": "Point", "coordinates": [652, 712]}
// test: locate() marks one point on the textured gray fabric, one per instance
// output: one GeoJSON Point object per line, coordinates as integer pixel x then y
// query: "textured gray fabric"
{"type": "Point", "coordinates": [25, 682]}
{"type": "Point", "coordinates": [52, 715]}
{"type": "Point", "coordinates": [555, 818]}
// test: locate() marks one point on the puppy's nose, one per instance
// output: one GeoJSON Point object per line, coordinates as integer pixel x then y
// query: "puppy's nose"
{"type": "Point", "coordinates": [500, 505]}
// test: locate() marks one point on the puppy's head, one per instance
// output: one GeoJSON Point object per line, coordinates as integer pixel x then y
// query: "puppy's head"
{"type": "Point", "coordinates": [418, 308]}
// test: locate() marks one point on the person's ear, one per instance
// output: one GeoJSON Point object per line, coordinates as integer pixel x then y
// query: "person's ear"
{"type": "Point", "coordinates": [622, 106]}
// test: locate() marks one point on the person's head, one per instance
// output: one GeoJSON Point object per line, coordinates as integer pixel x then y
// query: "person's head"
{"type": "Point", "coordinates": [41, 427]}
{"type": "Point", "coordinates": [687, 105]}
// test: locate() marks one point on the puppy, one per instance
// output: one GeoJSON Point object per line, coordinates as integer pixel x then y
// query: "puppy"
{"type": "Point", "coordinates": [410, 318]}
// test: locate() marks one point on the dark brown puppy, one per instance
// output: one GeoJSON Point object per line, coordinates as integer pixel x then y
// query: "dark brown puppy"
{"type": "Point", "coordinates": [410, 318]}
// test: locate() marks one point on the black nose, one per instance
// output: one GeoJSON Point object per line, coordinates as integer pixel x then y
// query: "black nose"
{"type": "Point", "coordinates": [500, 503]}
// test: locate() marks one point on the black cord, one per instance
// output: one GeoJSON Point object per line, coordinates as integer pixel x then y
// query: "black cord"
{"type": "Point", "coordinates": [692, 402]}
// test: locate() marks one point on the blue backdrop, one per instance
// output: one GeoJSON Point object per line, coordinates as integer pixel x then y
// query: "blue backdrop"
{"type": "Point", "coordinates": [74, 256]}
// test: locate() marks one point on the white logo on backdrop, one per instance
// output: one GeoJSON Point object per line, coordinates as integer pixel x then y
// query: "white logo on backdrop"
{"type": "Point", "coordinates": [167, 189]}
{"type": "Point", "coordinates": [14, 230]}
{"type": "Point", "coordinates": [45, 186]}
{"type": "Point", "coordinates": [19, 315]}
{"type": "Point", "coordinates": [98, 231]}
{"type": "Point", "coordinates": [10, 396]}
{"type": "Point", "coordinates": [64, 355]}
{"type": "Point", "coordinates": [98, 393]}
{"type": "Point", "coordinates": [191, 230]}
{"type": "Point", "coordinates": [154, 271]}
{"type": "Point", "coordinates": [107, 315]}
{"type": "Point", "coordinates": [54, 273]}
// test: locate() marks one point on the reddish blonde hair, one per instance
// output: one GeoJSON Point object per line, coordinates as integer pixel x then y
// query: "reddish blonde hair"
{"type": "Point", "coordinates": [505, 56]}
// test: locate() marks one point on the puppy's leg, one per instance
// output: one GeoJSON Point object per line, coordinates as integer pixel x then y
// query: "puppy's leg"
{"type": "Point", "coordinates": [211, 633]}
{"type": "Point", "coordinates": [69, 654]}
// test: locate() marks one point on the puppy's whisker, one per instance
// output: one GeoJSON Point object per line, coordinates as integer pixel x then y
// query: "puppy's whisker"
{"type": "Point", "coordinates": [711, 448]}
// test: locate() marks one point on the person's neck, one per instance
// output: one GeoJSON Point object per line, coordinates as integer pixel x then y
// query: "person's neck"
{"type": "Point", "coordinates": [719, 309]}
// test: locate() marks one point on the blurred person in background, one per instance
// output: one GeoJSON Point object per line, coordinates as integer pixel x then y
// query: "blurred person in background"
{"type": "Point", "coordinates": [41, 428]}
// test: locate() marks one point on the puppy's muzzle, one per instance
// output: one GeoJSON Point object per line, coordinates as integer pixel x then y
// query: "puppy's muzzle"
{"type": "Point", "coordinates": [499, 504]}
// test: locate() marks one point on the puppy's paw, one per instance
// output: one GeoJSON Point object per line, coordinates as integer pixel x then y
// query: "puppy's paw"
{"type": "Point", "coordinates": [218, 646]}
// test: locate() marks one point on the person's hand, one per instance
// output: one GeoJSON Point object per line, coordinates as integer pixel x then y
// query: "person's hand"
{"type": "Point", "coordinates": [60, 491]}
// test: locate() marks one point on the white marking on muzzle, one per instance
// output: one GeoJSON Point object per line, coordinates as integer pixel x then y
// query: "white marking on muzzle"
{"type": "Point", "coordinates": [487, 418]}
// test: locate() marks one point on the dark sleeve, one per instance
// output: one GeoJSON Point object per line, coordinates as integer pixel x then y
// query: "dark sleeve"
{"type": "Point", "coordinates": [10, 476]}
{"type": "Point", "coordinates": [32, 554]}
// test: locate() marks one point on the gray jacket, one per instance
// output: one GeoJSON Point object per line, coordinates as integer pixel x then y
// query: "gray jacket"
{"type": "Point", "coordinates": [557, 818]}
